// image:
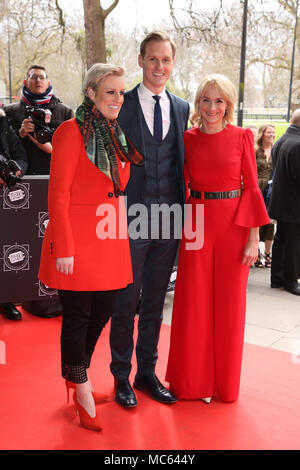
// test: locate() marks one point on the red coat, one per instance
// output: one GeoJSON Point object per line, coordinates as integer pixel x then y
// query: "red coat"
{"type": "Point", "coordinates": [77, 192]}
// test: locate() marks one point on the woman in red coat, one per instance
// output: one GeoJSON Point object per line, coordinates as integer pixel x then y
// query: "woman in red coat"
{"type": "Point", "coordinates": [85, 252]}
{"type": "Point", "coordinates": [210, 296]}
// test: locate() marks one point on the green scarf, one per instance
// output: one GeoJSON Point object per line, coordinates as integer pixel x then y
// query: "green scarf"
{"type": "Point", "coordinates": [105, 142]}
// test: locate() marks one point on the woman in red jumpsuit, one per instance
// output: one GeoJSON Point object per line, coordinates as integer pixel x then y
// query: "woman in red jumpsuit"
{"type": "Point", "coordinates": [208, 319]}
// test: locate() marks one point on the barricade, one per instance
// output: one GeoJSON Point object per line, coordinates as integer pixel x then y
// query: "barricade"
{"type": "Point", "coordinates": [23, 221]}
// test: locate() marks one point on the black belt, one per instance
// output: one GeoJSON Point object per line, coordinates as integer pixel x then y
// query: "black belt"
{"type": "Point", "coordinates": [216, 194]}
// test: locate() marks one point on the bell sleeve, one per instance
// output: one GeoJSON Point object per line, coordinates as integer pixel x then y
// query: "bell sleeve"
{"type": "Point", "coordinates": [251, 211]}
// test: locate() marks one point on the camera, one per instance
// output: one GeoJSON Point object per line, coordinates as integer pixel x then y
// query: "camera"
{"type": "Point", "coordinates": [7, 171]}
{"type": "Point", "coordinates": [41, 119]}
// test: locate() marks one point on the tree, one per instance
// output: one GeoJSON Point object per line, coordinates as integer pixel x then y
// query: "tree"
{"type": "Point", "coordinates": [36, 33]}
{"type": "Point", "coordinates": [269, 40]}
{"type": "Point", "coordinates": [94, 22]}
{"type": "Point", "coordinates": [211, 44]}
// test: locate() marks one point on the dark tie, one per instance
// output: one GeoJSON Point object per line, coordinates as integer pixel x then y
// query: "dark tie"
{"type": "Point", "coordinates": [158, 126]}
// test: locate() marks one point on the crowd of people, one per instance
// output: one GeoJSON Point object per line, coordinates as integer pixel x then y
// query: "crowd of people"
{"type": "Point", "coordinates": [278, 169]}
{"type": "Point", "coordinates": [132, 151]}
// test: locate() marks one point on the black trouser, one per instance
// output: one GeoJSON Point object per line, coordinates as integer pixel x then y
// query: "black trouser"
{"type": "Point", "coordinates": [152, 262]}
{"type": "Point", "coordinates": [286, 253]}
{"type": "Point", "coordinates": [84, 316]}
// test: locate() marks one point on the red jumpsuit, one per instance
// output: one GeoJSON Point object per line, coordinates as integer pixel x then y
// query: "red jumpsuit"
{"type": "Point", "coordinates": [208, 319]}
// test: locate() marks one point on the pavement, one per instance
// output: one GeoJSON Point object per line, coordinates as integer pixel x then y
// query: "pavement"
{"type": "Point", "coordinates": [272, 315]}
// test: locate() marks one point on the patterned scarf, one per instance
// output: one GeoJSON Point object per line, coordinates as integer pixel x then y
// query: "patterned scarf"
{"type": "Point", "coordinates": [33, 99]}
{"type": "Point", "coordinates": [104, 141]}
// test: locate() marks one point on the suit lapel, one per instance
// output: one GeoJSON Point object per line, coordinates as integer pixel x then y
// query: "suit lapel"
{"type": "Point", "coordinates": [175, 112]}
{"type": "Point", "coordinates": [133, 116]}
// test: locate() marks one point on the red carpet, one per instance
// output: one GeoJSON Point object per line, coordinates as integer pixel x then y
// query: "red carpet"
{"type": "Point", "coordinates": [34, 413]}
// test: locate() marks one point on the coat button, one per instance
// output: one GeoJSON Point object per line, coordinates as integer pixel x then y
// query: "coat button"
{"type": "Point", "coordinates": [122, 193]}
{"type": "Point", "coordinates": [110, 194]}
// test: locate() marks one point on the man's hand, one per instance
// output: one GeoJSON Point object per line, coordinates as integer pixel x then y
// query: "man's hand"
{"type": "Point", "coordinates": [27, 127]}
{"type": "Point", "coordinates": [17, 173]}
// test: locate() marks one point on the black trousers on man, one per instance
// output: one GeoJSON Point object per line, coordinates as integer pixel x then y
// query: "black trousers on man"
{"type": "Point", "coordinates": [152, 262]}
{"type": "Point", "coordinates": [286, 253]}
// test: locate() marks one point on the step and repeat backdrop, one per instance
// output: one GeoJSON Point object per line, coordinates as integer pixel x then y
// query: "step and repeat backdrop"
{"type": "Point", "coordinates": [23, 220]}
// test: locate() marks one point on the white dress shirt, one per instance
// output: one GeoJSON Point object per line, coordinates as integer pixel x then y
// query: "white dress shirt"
{"type": "Point", "coordinates": [147, 104]}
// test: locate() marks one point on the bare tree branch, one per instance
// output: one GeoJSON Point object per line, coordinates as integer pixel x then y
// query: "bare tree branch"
{"type": "Point", "coordinates": [108, 10]}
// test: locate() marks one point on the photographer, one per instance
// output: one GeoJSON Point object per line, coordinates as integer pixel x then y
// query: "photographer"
{"type": "Point", "coordinates": [11, 148]}
{"type": "Point", "coordinates": [35, 118]}
{"type": "Point", "coordinates": [37, 95]}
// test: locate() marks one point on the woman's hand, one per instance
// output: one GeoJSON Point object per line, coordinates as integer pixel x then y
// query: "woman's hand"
{"type": "Point", "coordinates": [251, 248]}
{"type": "Point", "coordinates": [65, 265]}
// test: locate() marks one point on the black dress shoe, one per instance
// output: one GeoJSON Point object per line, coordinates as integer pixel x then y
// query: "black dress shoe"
{"type": "Point", "coordinates": [125, 395]}
{"type": "Point", "coordinates": [10, 312]}
{"type": "Point", "coordinates": [150, 384]}
{"type": "Point", "coordinates": [292, 287]}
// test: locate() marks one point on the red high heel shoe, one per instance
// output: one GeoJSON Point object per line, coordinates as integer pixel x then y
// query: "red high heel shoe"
{"type": "Point", "coordinates": [98, 397]}
{"type": "Point", "coordinates": [86, 420]}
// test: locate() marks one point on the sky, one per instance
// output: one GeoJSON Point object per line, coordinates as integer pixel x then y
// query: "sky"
{"type": "Point", "coordinates": [145, 13]}
{"type": "Point", "coordinates": [130, 13]}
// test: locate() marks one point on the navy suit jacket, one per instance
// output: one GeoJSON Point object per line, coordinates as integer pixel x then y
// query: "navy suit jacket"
{"type": "Point", "coordinates": [130, 120]}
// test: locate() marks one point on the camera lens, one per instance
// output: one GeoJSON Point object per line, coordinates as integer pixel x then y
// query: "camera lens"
{"type": "Point", "coordinates": [43, 136]}
{"type": "Point", "coordinates": [12, 180]}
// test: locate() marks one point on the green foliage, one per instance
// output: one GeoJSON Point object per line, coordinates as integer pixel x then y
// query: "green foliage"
{"type": "Point", "coordinates": [174, 89]}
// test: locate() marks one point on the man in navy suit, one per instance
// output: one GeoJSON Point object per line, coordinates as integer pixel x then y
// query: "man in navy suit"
{"type": "Point", "coordinates": [155, 121]}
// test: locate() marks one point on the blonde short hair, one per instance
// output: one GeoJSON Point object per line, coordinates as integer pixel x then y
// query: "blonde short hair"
{"type": "Point", "coordinates": [97, 73]}
{"type": "Point", "coordinates": [227, 91]}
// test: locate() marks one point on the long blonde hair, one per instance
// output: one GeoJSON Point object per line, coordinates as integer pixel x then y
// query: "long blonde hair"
{"type": "Point", "coordinates": [259, 150]}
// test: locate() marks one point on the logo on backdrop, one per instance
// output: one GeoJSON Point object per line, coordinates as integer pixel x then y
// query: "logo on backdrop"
{"type": "Point", "coordinates": [16, 257]}
{"type": "Point", "coordinates": [43, 222]}
{"type": "Point", "coordinates": [45, 290]}
{"type": "Point", "coordinates": [16, 197]}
